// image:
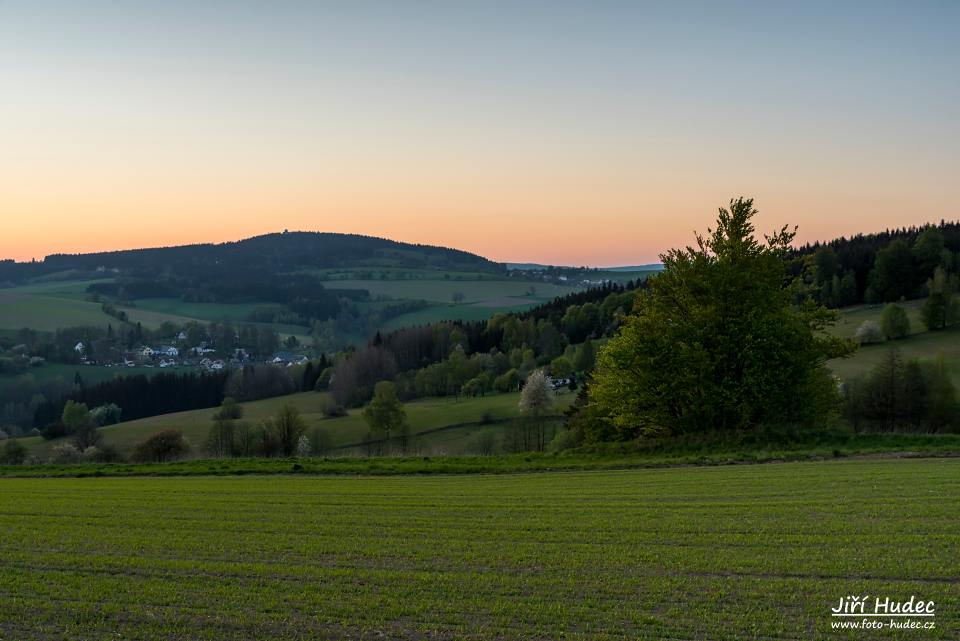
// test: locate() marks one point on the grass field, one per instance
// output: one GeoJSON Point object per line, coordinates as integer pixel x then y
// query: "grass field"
{"type": "Point", "coordinates": [920, 344]}
{"type": "Point", "coordinates": [424, 416]}
{"type": "Point", "coordinates": [49, 305]}
{"type": "Point", "coordinates": [926, 346]}
{"type": "Point", "coordinates": [742, 552]}
{"type": "Point", "coordinates": [438, 313]}
{"type": "Point", "coordinates": [852, 317]}
{"type": "Point", "coordinates": [47, 313]}
{"type": "Point", "coordinates": [441, 291]}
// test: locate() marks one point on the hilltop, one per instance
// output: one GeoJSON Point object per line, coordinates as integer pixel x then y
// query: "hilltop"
{"type": "Point", "coordinates": [270, 253]}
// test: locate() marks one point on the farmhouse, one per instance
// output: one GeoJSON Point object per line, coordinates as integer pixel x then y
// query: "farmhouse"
{"type": "Point", "coordinates": [288, 358]}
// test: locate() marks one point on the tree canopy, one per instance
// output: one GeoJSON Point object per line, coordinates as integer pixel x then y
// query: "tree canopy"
{"type": "Point", "coordinates": [716, 342]}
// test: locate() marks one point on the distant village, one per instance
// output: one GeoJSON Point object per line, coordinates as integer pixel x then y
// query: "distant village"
{"type": "Point", "coordinates": [203, 356]}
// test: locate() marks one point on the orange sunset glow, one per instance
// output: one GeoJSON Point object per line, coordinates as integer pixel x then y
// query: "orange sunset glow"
{"type": "Point", "coordinates": [554, 137]}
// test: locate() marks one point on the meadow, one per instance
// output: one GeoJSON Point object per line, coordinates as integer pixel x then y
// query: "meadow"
{"type": "Point", "coordinates": [920, 344]}
{"type": "Point", "coordinates": [737, 552]}
{"type": "Point", "coordinates": [442, 291]}
{"type": "Point", "coordinates": [50, 304]}
{"type": "Point", "coordinates": [438, 425]}
{"type": "Point", "coordinates": [852, 317]}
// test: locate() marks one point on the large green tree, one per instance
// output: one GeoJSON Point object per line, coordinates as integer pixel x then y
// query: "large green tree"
{"type": "Point", "coordinates": [716, 343]}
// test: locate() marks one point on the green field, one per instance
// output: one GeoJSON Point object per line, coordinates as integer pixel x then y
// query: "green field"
{"type": "Point", "coordinates": [925, 346]}
{"type": "Point", "coordinates": [49, 305]}
{"type": "Point", "coordinates": [852, 317]}
{"type": "Point", "coordinates": [920, 344]}
{"type": "Point", "coordinates": [742, 552]}
{"type": "Point", "coordinates": [441, 291]}
{"type": "Point", "coordinates": [438, 313]}
{"type": "Point", "coordinates": [463, 419]}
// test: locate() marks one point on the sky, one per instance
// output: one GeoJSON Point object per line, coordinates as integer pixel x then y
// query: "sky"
{"type": "Point", "coordinates": [594, 132]}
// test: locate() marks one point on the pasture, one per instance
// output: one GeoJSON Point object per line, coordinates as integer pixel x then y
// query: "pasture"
{"type": "Point", "coordinates": [926, 346]}
{"type": "Point", "coordinates": [46, 309]}
{"type": "Point", "coordinates": [49, 305]}
{"type": "Point", "coordinates": [463, 419]}
{"type": "Point", "coordinates": [467, 313]}
{"type": "Point", "coordinates": [852, 317]}
{"type": "Point", "coordinates": [738, 552]}
{"type": "Point", "coordinates": [442, 291]}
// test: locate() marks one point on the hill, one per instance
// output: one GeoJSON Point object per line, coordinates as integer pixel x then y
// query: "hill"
{"type": "Point", "coordinates": [285, 282]}
{"type": "Point", "coordinates": [278, 252]}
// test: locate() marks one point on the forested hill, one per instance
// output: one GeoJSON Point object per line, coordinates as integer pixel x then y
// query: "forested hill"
{"type": "Point", "coordinates": [281, 252]}
{"type": "Point", "coordinates": [883, 266]}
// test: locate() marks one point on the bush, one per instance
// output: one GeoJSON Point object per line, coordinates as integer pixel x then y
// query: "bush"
{"type": "Point", "coordinates": [165, 445]}
{"type": "Point", "coordinates": [869, 332]}
{"type": "Point", "coordinates": [332, 409]}
{"type": "Point", "coordinates": [564, 440]}
{"type": "Point", "coordinates": [64, 453]}
{"type": "Point", "coordinates": [54, 430]}
{"type": "Point", "coordinates": [108, 414]}
{"type": "Point", "coordinates": [303, 447]}
{"type": "Point", "coordinates": [101, 454]}
{"type": "Point", "coordinates": [13, 453]}
{"type": "Point", "coordinates": [507, 382]}
{"type": "Point", "coordinates": [229, 410]}
{"type": "Point", "coordinates": [894, 322]}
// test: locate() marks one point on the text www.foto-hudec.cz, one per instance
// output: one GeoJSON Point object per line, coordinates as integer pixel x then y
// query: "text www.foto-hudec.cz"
{"type": "Point", "coordinates": [860, 612]}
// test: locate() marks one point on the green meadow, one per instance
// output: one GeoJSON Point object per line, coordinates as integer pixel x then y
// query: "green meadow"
{"type": "Point", "coordinates": [736, 552]}
{"type": "Point", "coordinates": [438, 425]}
{"type": "Point", "coordinates": [52, 304]}
{"type": "Point", "coordinates": [852, 317]}
{"type": "Point", "coordinates": [474, 291]}
{"type": "Point", "coordinates": [49, 305]}
{"type": "Point", "coordinates": [925, 346]}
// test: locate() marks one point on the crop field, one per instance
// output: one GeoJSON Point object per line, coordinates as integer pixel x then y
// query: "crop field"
{"type": "Point", "coordinates": [427, 415]}
{"type": "Point", "coordinates": [739, 552]}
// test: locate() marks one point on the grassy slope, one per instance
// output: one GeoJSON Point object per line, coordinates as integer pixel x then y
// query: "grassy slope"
{"type": "Point", "coordinates": [20, 307]}
{"type": "Point", "coordinates": [742, 552]}
{"type": "Point", "coordinates": [423, 415]}
{"type": "Point", "coordinates": [852, 317]}
{"type": "Point", "coordinates": [439, 313]}
{"type": "Point", "coordinates": [49, 305]}
{"type": "Point", "coordinates": [921, 344]}
{"type": "Point", "coordinates": [441, 291]}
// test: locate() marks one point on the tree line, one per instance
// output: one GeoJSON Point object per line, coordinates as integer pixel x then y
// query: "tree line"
{"type": "Point", "coordinates": [876, 268]}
